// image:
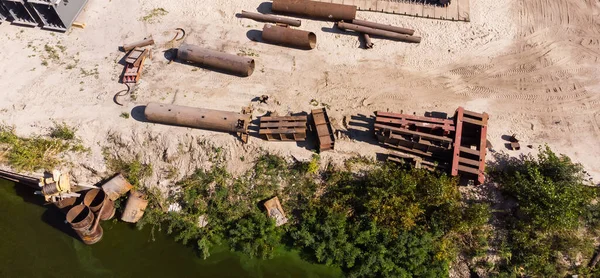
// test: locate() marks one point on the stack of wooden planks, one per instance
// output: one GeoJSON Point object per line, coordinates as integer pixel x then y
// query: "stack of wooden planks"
{"type": "Point", "coordinates": [287, 128]}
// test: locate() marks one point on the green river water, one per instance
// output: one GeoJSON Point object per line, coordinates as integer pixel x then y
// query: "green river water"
{"type": "Point", "coordinates": [35, 242]}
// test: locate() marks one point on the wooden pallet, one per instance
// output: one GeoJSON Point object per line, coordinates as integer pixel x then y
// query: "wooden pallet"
{"type": "Point", "coordinates": [288, 128]}
{"type": "Point", "coordinates": [470, 141]}
{"type": "Point", "coordinates": [323, 128]}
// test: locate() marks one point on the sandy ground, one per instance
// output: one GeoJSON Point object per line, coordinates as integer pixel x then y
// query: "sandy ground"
{"type": "Point", "coordinates": [531, 64]}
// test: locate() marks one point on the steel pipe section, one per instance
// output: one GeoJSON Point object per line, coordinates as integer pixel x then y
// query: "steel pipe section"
{"type": "Point", "coordinates": [145, 42]}
{"type": "Point", "coordinates": [271, 18]}
{"type": "Point", "coordinates": [96, 199]}
{"type": "Point", "coordinates": [288, 36]}
{"type": "Point", "coordinates": [322, 10]}
{"type": "Point", "coordinates": [377, 32]}
{"type": "Point", "coordinates": [81, 219]}
{"type": "Point", "coordinates": [134, 209]}
{"type": "Point", "coordinates": [116, 187]}
{"type": "Point", "coordinates": [383, 27]}
{"type": "Point", "coordinates": [240, 65]}
{"type": "Point", "coordinates": [197, 117]}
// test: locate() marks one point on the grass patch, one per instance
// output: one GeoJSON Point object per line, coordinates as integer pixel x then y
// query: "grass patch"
{"type": "Point", "coordinates": [62, 131]}
{"type": "Point", "coordinates": [154, 14]}
{"type": "Point", "coordinates": [124, 115]}
{"type": "Point", "coordinates": [133, 169]}
{"type": "Point", "coordinates": [34, 153]}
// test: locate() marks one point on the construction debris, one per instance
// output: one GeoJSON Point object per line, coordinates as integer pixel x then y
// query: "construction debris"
{"type": "Point", "coordinates": [50, 14]}
{"type": "Point", "coordinates": [322, 126]}
{"type": "Point", "coordinates": [368, 43]}
{"type": "Point", "coordinates": [321, 10]}
{"type": "Point", "coordinates": [145, 42]}
{"type": "Point", "coordinates": [378, 32]}
{"type": "Point", "coordinates": [514, 143]}
{"type": "Point", "coordinates": [271, 18]}
{"type": "Point", "coordinates": [199, 118]}
{"type": "Point", "coordinates": [134, 209]}
{"type": "Point", "coordinates": [456, 145]}
{"type": "Point", "coordinates": [81, 219]}
{"type": "Point", "coordinates": [240, 65]}
{"type": "Point", "coordinates": [134, 64]}
{"type": "Point", "coordinates": [284, 35]}
{"type": "Point", "coordinates": [275, 211]}
{"type": "Point", "coordinates": [263, 99]}
{"type": "Point", "coordinates": [116, 187]}
{"type": "Point", "coordinates": [379, 26]}
{"type": "Point", "coordinates": [95, 199]}
{"type": "Point", "coordinates": [288, 128]}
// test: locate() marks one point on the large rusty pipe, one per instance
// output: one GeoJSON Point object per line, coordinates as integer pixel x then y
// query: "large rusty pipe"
{"type": "Point", "coordinates": [116, 187]}
{"type": "Point", "coordinates": [135, 207]}
{"type": "Point", "coordinates": [383, 27]}
{"type": "Point", "coordinates": [377, 32]}
{"type": "Point", "coordinates": [145, 42]}
{"type": "Point", "coordinates": [81, 219]}
{"type": "Point", "coordinates": [322, 10]}
{"type": "Point", "coordinates": [271, 18]}
{"type": "Point", "coordinates": [96, 199]}
{"type": "Point", "coordinates": [197, 117]}
{"type": "Point", "coordinates": [243, 66]}
{"type": "Point", "coordinates": [288, 36]}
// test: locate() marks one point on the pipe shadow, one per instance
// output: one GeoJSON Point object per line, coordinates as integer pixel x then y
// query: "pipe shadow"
{"type": "Point", "coordinates": [265, 8]}
{"type": "Point", "coordinates": [137, 113]}
{"type": "Point", "coordinates": [336, 30]}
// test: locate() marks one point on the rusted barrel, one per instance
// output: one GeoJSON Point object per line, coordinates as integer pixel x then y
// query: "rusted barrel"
{"type": "Point", "coordinates": [95, 199]}
{"type": "Point", "coordinates": [145, 42]}
{"type": "Point", "coordinates": [383, 27]}
{"type": "Point", "coordinates": [322, 10]}
{"type": "Point", "coordinates": [240, 65]}
{"type": "Point", "coordinates": [116, 187]}
{"type": "Point", "coordinates": [81, 219]}
{"type": "Point", "coordinates": [378, 32]}
{"type": "Point", "coordinates": [134, 209]}
{"type": "Point", "coordinates": [288, 36]}
{"type": "Point", "coordinates": [197, 117]}
{"type": "Point", "coordinates": [271, 18]}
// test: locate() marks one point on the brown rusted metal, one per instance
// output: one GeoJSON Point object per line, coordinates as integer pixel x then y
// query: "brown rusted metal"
{"type": "Point", "coordinates": [116, 187]}
{"type": "Point", "coordinates": [65, 205]}
{"type": "Point", "coordinates": [288, 36]}
{"type": "Point", "coordinates": [95, 199]}
{"type": "Point", "coordinates": [134, 209]}
{"type": "Point", "coordinates": [288, 128]}
{"type": "Point", "coordinates": [18, 178]}
{"type": "Point", "coordinates": [275, 211]}
{"type": "Point", "coordinates": [321, 10]}
{"type": "Point", "coordinates": [323, 128]}
{"type": "Point", "coordinates": [470, 144]}
{"type": "Point", "coordinates": [145, 42]}
{"type": "Point", "coordinates": [380, 26]}
{"type": "Point", "coordinates": [271, 18]}
{"type": "Point", "coordinates": [197, 117]}
{"type": "Point", "coordinates": [240, 65]}
{"type": "Point", "coordinates": [81, 219]}
{"type": "Point", "coordinates": [378, 32]}
{"type": "Point", "coordinates": [368, 43]}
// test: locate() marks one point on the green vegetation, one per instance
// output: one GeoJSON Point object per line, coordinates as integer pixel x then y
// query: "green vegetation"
{"type": "Point", "coordinates": [154, 14]}
{"type": "Point", "coordinates": [134, 170]}
{"type": "Point", "coordinates": [551, 230]}
{"type": "Point", "coordinates": [37, 152]}
{"type": "Point", "coordinates": [124, 115]}
{"type": "Point", "coordinates": [387, 221]}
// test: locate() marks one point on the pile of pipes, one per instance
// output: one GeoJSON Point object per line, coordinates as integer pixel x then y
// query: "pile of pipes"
{"type": "Point", "coordinates": [456, 145]}
{"type": "Point", "coordinates": [53, 15]}
{"type": "Point", "coordinates": [85, 209]}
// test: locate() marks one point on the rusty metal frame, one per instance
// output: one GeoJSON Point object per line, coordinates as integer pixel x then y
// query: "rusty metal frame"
{"type": "Point", "coordinates": [461, 163]}
{"type": "Point", "coordinates": [323, 128]}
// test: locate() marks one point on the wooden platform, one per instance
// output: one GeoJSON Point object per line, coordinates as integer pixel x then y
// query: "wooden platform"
{"type": "Point", "coordinates": [457, 10]}
{"type": "Point", "coordinates": [288, 128]}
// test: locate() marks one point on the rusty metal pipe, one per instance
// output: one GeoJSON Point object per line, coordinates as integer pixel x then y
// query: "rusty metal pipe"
{"type": "Point", "coordinates": [116, 187]}
{"type": "Point", "coordinates": [243, 66]}
{"type": "Point", "coordinates": [145, 42]}
{"type": "Point", "coordinates": [288, 36]}
{"type": "Point", "coordinates": [271, 18]}
{"type": "Point", "coordinates": [368, 43]}
{"type": "Point", "coordinates": [96, 199]}
{"type": "Point", "coordinates": [197, 117]}
{"type": "Point", "coordinates": [134, 209]}
{"type": "Point", "coordinates": [383, 27]}
{"type": "Point", "coordinates": [81, 219]}
{"type": "Point", "coordinates": [322, 10]}
{"type": "Point", "coordinates": [377, 32]}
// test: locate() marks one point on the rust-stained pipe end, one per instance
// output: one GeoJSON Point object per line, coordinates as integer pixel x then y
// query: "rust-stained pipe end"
{"type": "Point", "coordinates": [250, 68]}
{"type": "Point", "coordinates": [312, 40]}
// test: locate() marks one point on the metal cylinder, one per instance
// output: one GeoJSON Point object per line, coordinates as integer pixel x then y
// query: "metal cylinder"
{"type": "Point", "coordinates": [377, 32]}
{"type": "Point", "coordinates": [197, 117]}
{"type": "Point", "coordinates": [271, 18]}
{"type": "Point", "coordinates": [145, 42]}
{"type": "Point", "coordinates": [50, 189]}
{"type": "Point", "coordinates": [322, 10]}
{"type": "Point", "coordinates": [240, 65]}
{"type": "Point", "coordinates": [95, 199]}
{"type": "Point", "coordinates": [81, 219]}
{"type": "Point", "coordinates": [368, 43]}
{"type": "Point", "coordinates": [383, 27]}
{"type": "Point", "coordinates": [288, 36]}
{"type": "Point", "coordinates": [116, 187]}
{"type": "Point", "coordinates": [134, 209]}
